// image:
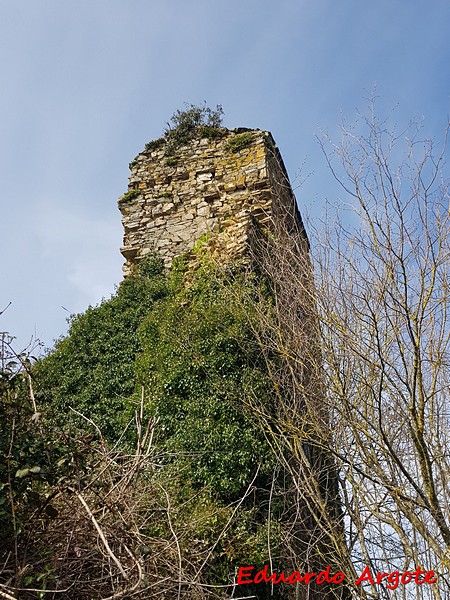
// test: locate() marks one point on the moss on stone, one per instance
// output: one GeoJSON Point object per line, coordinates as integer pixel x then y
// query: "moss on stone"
{"type": "Point", "coordinates": [240, 141]}
{"type": "Point", "coordinates": [129, 197]}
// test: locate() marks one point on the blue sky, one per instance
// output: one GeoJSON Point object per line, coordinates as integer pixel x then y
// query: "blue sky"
{"type": "Point", "coordinates": [86, 83]}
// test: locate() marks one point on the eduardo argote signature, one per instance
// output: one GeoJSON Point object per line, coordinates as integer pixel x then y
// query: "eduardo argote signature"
{"type": "Point", "coordinates": [392, 580]}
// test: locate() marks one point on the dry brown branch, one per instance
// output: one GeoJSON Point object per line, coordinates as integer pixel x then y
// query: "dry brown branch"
{"type": "Point", "coordinates": [130, 591]}
{"type": "Point", "coordinates": [100, 533]}
{"type": "Point", "coordinates": [6, 595]}
{"type": "Point", "coordinates": [175, 537]}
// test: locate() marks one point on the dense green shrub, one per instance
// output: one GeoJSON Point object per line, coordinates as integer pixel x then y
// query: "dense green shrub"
{"type": "Point", "coordinates": [37, 460]}
{"type": "Point", "coordinates": [23, 452]}
{"type": "Point", "coordinates": [92, 368]}
{"type": "Point", "coordinates": [184, 122]}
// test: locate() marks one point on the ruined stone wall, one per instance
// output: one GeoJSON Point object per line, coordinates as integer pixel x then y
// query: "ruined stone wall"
{"type": "Point", "coordinates": [213, 191]}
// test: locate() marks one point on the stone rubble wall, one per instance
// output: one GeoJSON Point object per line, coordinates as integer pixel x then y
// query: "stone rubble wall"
{"type": "Point", "coordinates": [207, 193]}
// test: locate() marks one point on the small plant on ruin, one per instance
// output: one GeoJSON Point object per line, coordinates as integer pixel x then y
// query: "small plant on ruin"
{"type": "Point", "coordinates": [129, 197]}
{"type": "Point", "coordinates": [184, 125]}
{"type": "Point", "coordinates": [155, 144]}
{"type": "Point", "coordinates": [172, 161]}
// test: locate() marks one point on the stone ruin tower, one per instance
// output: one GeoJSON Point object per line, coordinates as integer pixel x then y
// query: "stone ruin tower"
{"type": "Point", "coordinates": [216, 190]}
{"type": "Point", "coordinates": [231, 192]}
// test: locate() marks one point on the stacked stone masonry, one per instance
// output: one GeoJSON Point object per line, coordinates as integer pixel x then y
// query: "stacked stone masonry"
{"type": "Point", "coordinates": [213, 191]}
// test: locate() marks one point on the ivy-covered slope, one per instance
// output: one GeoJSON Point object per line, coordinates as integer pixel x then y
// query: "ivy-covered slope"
{"type": "Point", "coordinates": [194, 354]}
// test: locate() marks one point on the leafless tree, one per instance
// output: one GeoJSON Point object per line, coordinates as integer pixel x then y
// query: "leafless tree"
{"type": "Point", "coordinates": [361, 336]}
{"type": "Point", "coordinates": [383, 299]}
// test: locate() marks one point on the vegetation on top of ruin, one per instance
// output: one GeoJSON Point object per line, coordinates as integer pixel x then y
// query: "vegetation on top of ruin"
{"type": "Point", "coordinates": [185, 125]}
{"type": "Point", "coordinates": [195, 122]}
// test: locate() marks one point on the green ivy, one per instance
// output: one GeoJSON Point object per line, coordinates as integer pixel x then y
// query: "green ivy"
{"type": "Point", "coordinates": [201, 366]}
{"type": "Point", "coordinates": [92, 368]}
